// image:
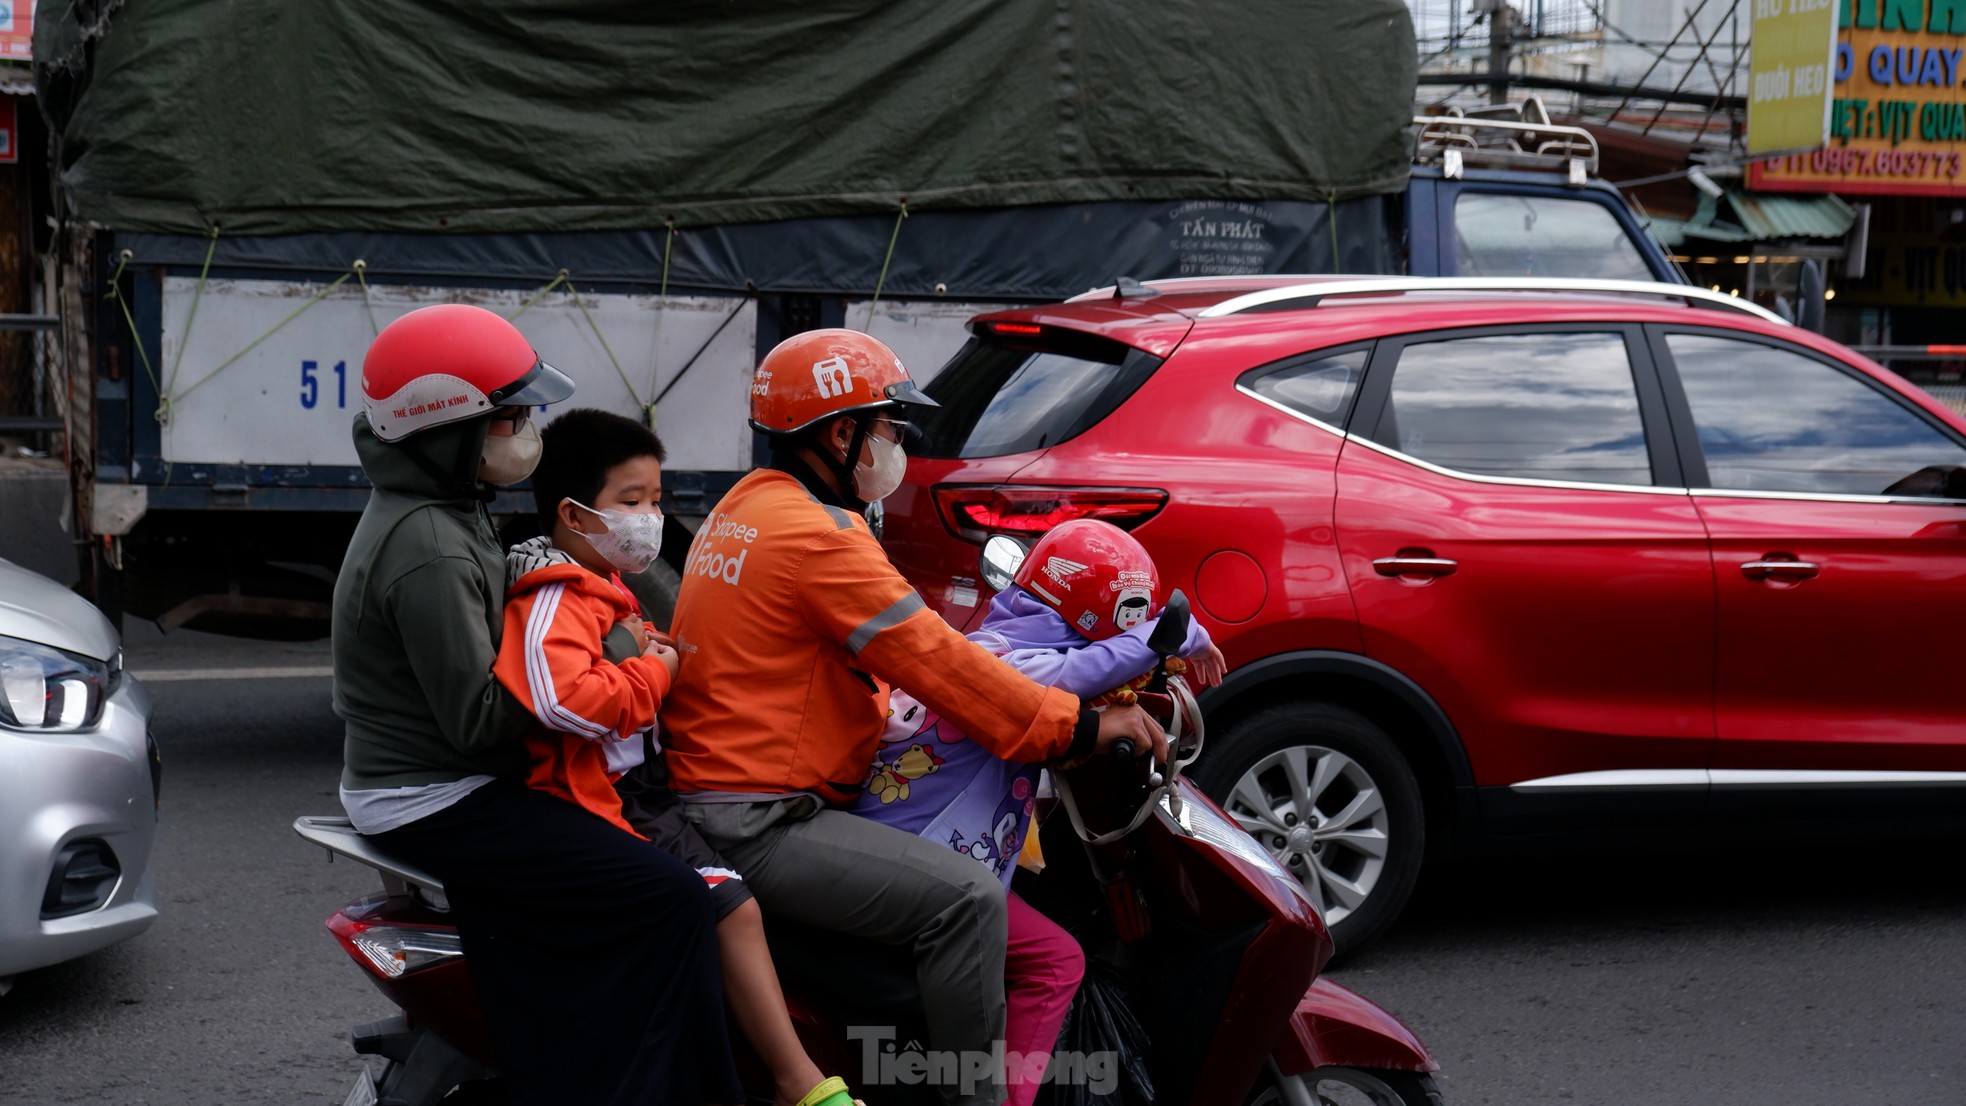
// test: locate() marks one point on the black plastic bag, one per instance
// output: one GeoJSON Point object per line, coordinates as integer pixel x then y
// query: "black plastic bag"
{"type": "Point", "coordinates": [1102, 1050]}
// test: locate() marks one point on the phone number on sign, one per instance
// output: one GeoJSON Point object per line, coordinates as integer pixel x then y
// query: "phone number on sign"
{"type": "Point", "coordinates": [1870, 163]}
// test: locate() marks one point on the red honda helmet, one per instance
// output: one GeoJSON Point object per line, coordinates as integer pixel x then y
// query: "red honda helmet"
{"type": "Point", "coordinates": [820, 373]}
{"type": "Point", "coordinates": [451, 362]}
{"type": "Point", "coordinates": [1095, 575]}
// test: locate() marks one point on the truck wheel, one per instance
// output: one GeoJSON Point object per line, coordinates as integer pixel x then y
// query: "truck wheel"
{"type": "Point", "coordinates": [1330, 795]}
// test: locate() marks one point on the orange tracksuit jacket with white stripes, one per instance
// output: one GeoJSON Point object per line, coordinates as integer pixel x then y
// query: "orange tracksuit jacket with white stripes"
{"type": "Point", "coordinates": [793, 625]}
{"type": "Point", "coordinates": [592, 712]}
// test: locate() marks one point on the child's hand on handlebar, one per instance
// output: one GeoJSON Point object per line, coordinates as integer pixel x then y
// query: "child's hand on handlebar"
{"type": "Point", "coordinates": [634, 625]}
{"type": "Point", "coordinates": [1131, 724]}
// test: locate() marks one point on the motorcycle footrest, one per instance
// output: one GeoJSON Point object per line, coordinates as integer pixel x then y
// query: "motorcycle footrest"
{"type": "Point", "coordinates": [390, 1038]}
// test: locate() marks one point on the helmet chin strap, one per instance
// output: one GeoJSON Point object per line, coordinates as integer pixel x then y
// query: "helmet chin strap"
{"type": "Point", "coordinates": [845, 466]}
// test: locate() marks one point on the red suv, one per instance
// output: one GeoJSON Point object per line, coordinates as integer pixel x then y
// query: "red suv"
{"type": "Point", "coordinates": [1491, 560]}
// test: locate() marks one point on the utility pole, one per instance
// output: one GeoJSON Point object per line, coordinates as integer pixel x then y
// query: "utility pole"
{"type": "Point", "coordinates": [1501, 35]}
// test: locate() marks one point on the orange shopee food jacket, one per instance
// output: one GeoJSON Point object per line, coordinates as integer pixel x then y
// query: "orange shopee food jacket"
{"type": "Point", "coordinates": [792, 626]}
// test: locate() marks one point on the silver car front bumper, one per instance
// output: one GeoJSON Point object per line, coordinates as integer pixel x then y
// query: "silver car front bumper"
{"type": "Point", "coordinates": [57, 790]}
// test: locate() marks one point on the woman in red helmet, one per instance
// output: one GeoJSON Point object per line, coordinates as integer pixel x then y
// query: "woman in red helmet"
{"type": "Point", "coordinates": [594, 952]}
{"type": "Point", "coordinates": [793, 626]}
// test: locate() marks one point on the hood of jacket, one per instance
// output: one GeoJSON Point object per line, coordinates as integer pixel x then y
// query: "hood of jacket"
{"type": "Point", "coordinates": [531, 565]}
{"type": "Point", "coordinates": [437, 464]}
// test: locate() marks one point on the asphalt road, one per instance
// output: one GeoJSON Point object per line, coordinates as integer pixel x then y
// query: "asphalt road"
{"type": "Point", "coordinates": [1806, 975]}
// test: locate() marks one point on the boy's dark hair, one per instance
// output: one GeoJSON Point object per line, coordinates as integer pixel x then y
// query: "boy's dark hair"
{"type": "Point", "coordinates": [577, 450]}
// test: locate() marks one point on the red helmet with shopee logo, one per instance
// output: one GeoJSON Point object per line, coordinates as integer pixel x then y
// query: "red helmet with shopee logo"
{"type": "Point", "coordinates": [1095, 575]}
{"type": "Point", "coordinates": [820, 373]}
{"type": "Point", "coordinates": [450, 362]}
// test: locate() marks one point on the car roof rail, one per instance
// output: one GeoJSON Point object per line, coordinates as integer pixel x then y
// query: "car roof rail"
{"type": "Point", "coordinates": [1311, 294]}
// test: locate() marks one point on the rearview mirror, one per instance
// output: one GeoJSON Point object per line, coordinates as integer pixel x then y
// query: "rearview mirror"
{"type": "Point", "coordinates": [1171, 632]}
{"type": "Point", "coordinates": [1003, 555]}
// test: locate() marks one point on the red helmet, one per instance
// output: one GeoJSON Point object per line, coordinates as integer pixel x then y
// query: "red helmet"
{"type": "Point", "coordinates": [1095, 575]}
{"type": "Point", "coordinates": [819, 373]}
{"type": "Point", "coordinates": [451, 362]}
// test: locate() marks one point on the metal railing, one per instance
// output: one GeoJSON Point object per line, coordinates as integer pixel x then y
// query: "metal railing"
{"type": "Point", "coordinates": [30, 394]}
{"type": "Point", "coordinates": [1512, 136]}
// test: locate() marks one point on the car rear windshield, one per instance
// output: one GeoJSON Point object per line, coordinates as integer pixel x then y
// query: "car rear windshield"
{"type": "Point", "coordinates": [1001, 397]}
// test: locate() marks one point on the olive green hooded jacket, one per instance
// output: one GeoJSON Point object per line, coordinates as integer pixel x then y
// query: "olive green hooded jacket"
{"type": "Point", "coordinates": [418, 609]}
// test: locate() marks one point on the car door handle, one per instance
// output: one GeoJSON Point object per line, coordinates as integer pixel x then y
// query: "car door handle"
{"type": "Point", "coordinates": [1415, 566]}
{"type": "Point", "coordinates": [1779, 570]}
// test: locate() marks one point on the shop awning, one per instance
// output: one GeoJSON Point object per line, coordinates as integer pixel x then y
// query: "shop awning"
{"type": "Point", "coordinates": [1758, 217]}
{"type": "Point", "coordinates": [1767, 215]}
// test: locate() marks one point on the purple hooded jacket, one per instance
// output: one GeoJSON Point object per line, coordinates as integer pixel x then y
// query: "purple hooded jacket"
{"type": "Point", "coordinates": [932, 781]}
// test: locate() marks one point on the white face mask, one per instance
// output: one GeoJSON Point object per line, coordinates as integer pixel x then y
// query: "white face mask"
{"type": "Point", "coordinates": [510, 458]}
{"type": "Point", "coordinates": [631, 542]}
{"type": "Point", "coordinates": [875, 482]}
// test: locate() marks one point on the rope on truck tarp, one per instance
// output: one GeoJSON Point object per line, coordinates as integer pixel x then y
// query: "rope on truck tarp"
{"type": "Point", "coordinates": [1331, 217]}
{"type": "Point", "coordinates": [881, 281]}
{"type": "Point", "coordinates": [536, 296]}
{"type": "Point", "coordinates": [163, 412]}
{"type": "Point", "coordinates": [742, 302]}
{"type": "Point", "coordinates": [361, 268]}
{"type": "Point", "coordinates": [661, 313]}
{"type": "Point", "coordinates": [603, 339]}
{"type": "Point", "coordinates": [270, 332]}
{"type": "Point", "coordinates": [116, 293]}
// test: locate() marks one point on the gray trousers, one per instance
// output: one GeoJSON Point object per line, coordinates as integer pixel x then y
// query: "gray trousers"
{"type": "Point", "coordinates": [838, 871]}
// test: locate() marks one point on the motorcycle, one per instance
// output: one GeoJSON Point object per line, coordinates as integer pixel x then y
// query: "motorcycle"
{"type": "Point", "coordinates": [1217, 948]}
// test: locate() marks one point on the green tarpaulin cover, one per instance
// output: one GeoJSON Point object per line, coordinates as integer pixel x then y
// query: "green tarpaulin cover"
{"type": "Point", "coordinates": [272, 116]}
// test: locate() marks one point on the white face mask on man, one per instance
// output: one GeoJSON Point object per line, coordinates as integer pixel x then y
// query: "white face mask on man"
{"type": "Point", "coordinates": [630, 543]}
{"type": "Point", "coordinates": [875, 482]}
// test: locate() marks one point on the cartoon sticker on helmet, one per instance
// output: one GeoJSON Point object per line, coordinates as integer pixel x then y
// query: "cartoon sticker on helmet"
{"type": "Point", "coordinates": [832, 376]}
{"type": "Point", "coordinates": [1130, 609]}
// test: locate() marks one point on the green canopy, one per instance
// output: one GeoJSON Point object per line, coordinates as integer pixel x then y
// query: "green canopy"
{"type": "Point", "coordinates": [273, 117]}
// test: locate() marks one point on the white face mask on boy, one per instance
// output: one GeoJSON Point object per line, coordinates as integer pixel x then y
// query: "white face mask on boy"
{"type": "Point", "coordinates": [631, 542]}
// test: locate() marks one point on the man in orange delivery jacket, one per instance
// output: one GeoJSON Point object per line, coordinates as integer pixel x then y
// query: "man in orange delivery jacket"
{"type": "Point", "coordinates": [792, 627]}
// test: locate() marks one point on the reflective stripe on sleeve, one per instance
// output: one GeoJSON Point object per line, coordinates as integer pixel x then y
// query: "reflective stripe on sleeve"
{"type": "Point", "coordinates": [840, 515]}
{"type": "Point", "coordinates": [893, 616]}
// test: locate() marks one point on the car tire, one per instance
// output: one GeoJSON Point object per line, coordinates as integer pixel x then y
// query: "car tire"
{"type": "Point", "coordinates": [1360, 854]}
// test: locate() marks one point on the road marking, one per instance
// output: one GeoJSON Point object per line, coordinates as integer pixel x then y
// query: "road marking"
{"type": "Point", "coordinates": [167, 675]}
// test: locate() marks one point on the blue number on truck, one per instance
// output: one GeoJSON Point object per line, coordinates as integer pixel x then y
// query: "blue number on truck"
{"type": "Point", "coordinates": [310, 385]}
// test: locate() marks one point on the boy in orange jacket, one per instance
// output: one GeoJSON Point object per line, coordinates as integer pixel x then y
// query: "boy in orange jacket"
{"type": "Point", "coordinates": [577, 652]}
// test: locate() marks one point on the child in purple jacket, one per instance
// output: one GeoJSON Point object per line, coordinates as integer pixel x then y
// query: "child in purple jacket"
{"type": "Point", "coordinates": [1077, 618]}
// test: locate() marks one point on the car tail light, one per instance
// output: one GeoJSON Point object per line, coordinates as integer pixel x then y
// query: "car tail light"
{"type": "Point", "coordinates": [1027, 330]}
{"type": "Point", "coordinates": [392, 949]}
{"type": "Point", "coordinates": [974, 512]}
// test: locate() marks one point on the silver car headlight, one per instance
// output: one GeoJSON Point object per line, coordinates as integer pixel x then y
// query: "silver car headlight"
{"type": "Point", "coordinates": [46, 690]}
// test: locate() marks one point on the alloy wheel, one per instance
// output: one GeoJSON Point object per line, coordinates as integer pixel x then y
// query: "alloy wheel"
{"type": "Point", "coordinates": [1321, 815]}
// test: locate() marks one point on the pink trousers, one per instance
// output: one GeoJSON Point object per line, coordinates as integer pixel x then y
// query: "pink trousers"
{"type": "Point", "coordinates": [1042, 968]}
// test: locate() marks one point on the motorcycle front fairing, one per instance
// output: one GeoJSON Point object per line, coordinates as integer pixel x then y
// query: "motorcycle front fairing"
{"type": "Point", "coordinates": [1232, 951]}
